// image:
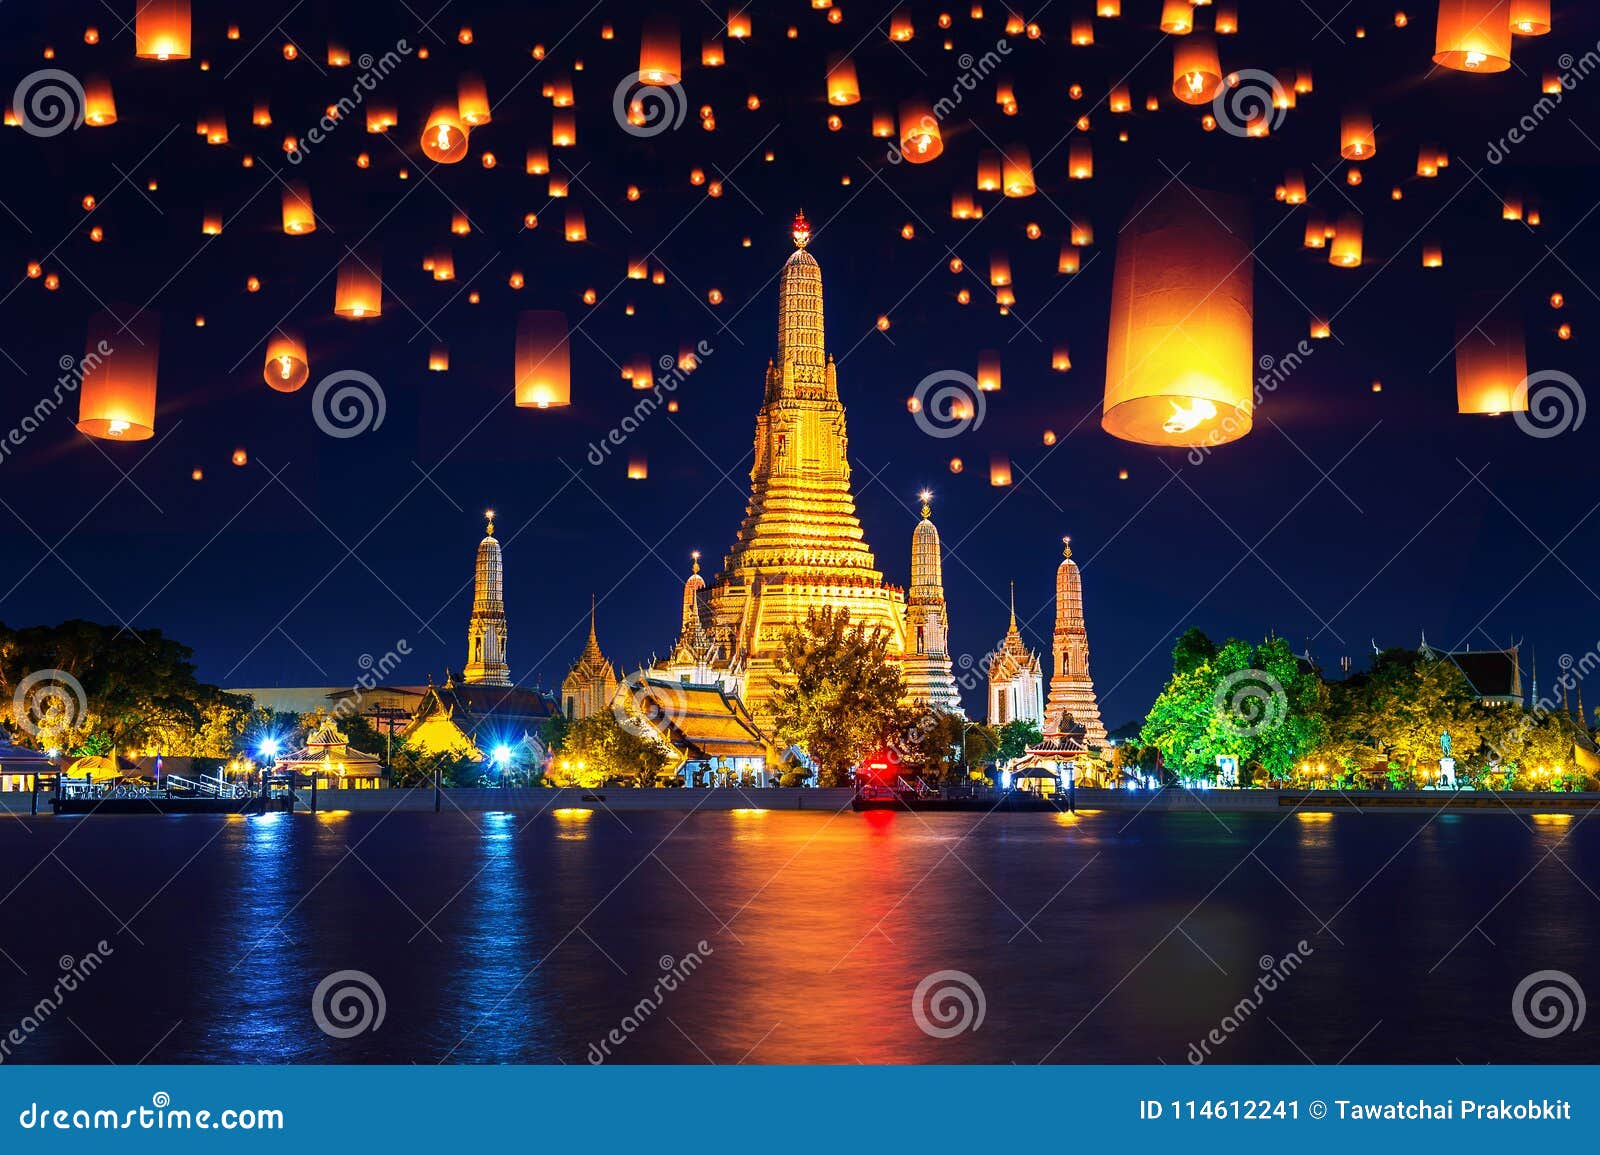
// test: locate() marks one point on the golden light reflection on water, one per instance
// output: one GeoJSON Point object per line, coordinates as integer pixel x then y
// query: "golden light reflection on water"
{"type": "Point", "coordinates": [572, 822]}
{"type": "Point", "coordinates": [1552, 819]}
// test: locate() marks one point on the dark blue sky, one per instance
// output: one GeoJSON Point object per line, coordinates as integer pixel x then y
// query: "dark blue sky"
{"type": "Point", "coordinates": [1345, 516]}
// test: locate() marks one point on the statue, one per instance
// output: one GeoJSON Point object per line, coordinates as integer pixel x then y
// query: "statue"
{"type": "Point", "coordinates": [1444, 743]}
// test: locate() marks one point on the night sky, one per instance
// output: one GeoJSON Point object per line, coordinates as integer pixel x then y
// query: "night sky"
{"type": "Point", "coordinates": [1345, 516]}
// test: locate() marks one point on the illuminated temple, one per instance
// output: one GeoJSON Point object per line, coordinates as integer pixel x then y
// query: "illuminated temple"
{"type": "Point", "coordinates": [800, 546]}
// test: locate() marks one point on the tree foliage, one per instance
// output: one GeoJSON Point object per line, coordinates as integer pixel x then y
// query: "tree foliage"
{"type": "Point", "coordinates": [1015, 738]}
{"type": "Point", "coordinates": [600, 750]}
{"type": "Point", "coordinates": [839, 693]}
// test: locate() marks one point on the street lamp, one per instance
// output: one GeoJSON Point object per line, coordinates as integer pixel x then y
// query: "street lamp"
{"type": "Point", "coordinates": [502, 755]}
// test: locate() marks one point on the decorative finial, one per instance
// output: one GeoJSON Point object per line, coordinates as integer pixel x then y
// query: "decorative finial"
{"type": "Point", "coordinates": [802, 229]}
{"type": "Point", "coordinates": [695, 554]}
{"type": "Point", "coordinates": [489, 516]}
{"type": "Point", "coordinates": [926, 496]}
{"type": "Point", "coordinates": [1013, 605]}
{"type": "Point", "coordinates": [1066, 547]}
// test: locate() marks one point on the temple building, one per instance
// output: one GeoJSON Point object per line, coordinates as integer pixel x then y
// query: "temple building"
{"type": "Point", "coordinates": [468, 720]}
{"type": "Point", "coordinates": [930, 679]}
{"type": "Point", "coordinates": [800, 546]}
{"type": "Point", "coordinates": [486, 629]}
{"type": "Point", "coordinates": [1016, 678]}
{"type": "Point", "coordinates": [329, 758]}
{"type": "Point", "coordinates": [592, 681]}
{"type": "Point", "coordinates": [1494, 675]}
{"type": "Point", "coordinates": [1072, 696]}
{"type": "Point", "coordinates": [708, 736]}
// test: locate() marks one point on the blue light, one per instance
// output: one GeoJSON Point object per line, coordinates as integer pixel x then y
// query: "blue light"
{"type": "Point", "coordinates": [269, 747]}
{"type": "Point", "coordinates": [502, 754]}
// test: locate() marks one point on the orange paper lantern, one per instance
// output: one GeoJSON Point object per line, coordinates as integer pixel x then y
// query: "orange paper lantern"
{"type": "Point", "coordinates": [117, 396]}
{"type": "Point", "coordinates": [1473, 35]}
{"type": "Point", "coordinates": [1491, 360]}
{"type": "Point", "coordinates": [544, 359]}
{"type": "Point", "coordinates": [161, 30]}
{"type": "Point", "coordinates": [359, 291]}
{"type": "Point", "coordinates": [286, 368]}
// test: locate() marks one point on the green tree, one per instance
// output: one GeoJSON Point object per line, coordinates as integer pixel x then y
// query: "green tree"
{"type": "Point", "coordinates": [599, 750]}
{"type": "Point", "coordinates": [1015, 738]}
{"type": "Point", "coordinates": [1394, 715]}
{"type": "Point", "coordinates": [838, 693]}
{"type": "Point", "coordinates": [927, 743]}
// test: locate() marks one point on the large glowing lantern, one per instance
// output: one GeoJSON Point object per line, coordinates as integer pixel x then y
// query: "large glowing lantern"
{"type": "Point", "coordinates": [298, 219]}
{"type": "Point", "coordinates": [1345, 251]}
{"type": "Point", "coordinates": [445, 138]}
{"type": "Point", "coordinates": [1080, 159]}
{"type": "Point", "coordinates": [286, 368]}
{"type": "Point", "coordinates": [359, 291]}
{"type": "Point", "coordinates": [472, 100]}
{"type": "Point", "coordinates": [999, 470]}
{"type": "Point", "coordinates": [1357, 140]}
{"type": "Point", "coordinates": [544, 359]}
{"type": "Point", "coordinates": [1018, 172]}
{"type": "Point", "coordinates": [1530, 17]}
{"type": "Point", "coordinates": [920, 141]}
{"type": "Point", "coordinates": [843, 87]}
{"type": "Point", "coordinates": [989, 371]}
{"type": "Point", "coordinates": [1196, 69]}
{"type": "Point", "coordinates": [576, 230]}
{"type": "Point", "coordinates": [1179, 366]}
{"type": "Point", "coordinates": [738, 24]}
{"type": "Point", "coordinates": [638, 467]}
{"type": "Point", "coordinates": [1491, 360]}
{"type": "Point", "coordinates": [1177, 17]}
{"type": "Point", "coordinates": [99, 106]}
{"type": "Point", "coordinates": [660, 52]}
{"type": "Point", "coordinates": [161, 31]}
{"type": "Point", "coordinates": [1473, 36]}
{"type": "Point", "coordinates": [117, 398]}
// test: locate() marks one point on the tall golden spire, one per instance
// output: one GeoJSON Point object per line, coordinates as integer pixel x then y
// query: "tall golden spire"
{"type": "Point", "coordinates": [486, 628]}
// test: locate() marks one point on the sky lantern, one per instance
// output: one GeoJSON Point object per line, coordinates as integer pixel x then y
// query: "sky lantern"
{"type": "Point", "coordinates": [1179, 364]}
{"type": "Point", "coordinates": [1068, 261]}
{"type": "Point", "coordinates": [883, 123]}
{"type": "Point", "coordinates": [563, 129]}
{"type": "Point", "coordinates": [1473, 36]}
{"type": "Point", "coordinates": [660, 52]}
{"type": "Point", "coordinates": [1196, 69]}
{"type": "Point", "coordinates": [99, 107]}
{"type": "Point", "coordinates": [1177, 17]}
{"type": "Point", "coordinates": [472, 100]}
{"type": "Point", "coordinates": [538, 162]}
{"type": "Point", "coordinates": [990, 175]}
{"type": "Point", "coordinates": [989, 371]}
{"type": "Point", "coordinates": [1108, 8]}
{"type": "Point", "coordinates": [999, 269]}
{"type": "Point", "coordinates": [338, 55]}
{"type": "Point", "coordinates": [1082, 233]}
{"type": "Point", "coordinates": [711, 54]}
{"type": "Point", "coordinates": [286, 368]}
{"type": "Point", "coordinates": [1316, 231]}
{"type": "Point", "coordinates": [1530, 17]}
{"type": "Point", "coordinates": [298, 219]}
{"type": "Point", "coordinates": [1018, 172]}
{"type": "Point", "coordinates": [117, 397]}
{"type": "Point", "coordinates": [963, 207]}
{"type": "Point", "coordinates": [1511, 207]}
{"type": "Point", "coordinates": [1121, 100]}
{"type": "Point", "coordinates": [738, 24]}
{"type": "Point", "coordinates": [843, 87]}
{"type": "Point", "coordinates": [999, 470]}
{"type": "Point", "coordinates": [638, 467]}
{"type": "Point", "coordinates": [1294, 187]}
{"type": "Point", "coordinates": [444, 140]}
{"type": "Point", "coordinates": [1357, 139]}
{"type": "Point", "coordinates": [1227, 19]}
{"type": "Point", "coordinates": [161, 30]}
{"type": "Point", "coordinates": [1491, 360]}
{"type": "Point", "coordinates": [358, 293]}
{"type": "Point", "coordinates": [439, 358]}
{"type": "Point", "coordinates": [381, 117]}
{"type": "Point", "coordinates": [544, 359]}
{"type": "Point", "coordinates": [1080, 159]}
{"type": "Point", "coordinates": [576, 230]}
{"type": "Point", "coordinates": [900, 26]}
{"type": "Point", "coordinates": [442, 265]}
{"type": "Point", "coordinates": [920, 141]}
{"type": "Point", "coordinates": [1432, 255]}
{"type": "Point", "coordinates": [1345, 252]}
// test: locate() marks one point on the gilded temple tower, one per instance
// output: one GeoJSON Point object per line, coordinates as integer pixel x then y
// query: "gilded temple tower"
{"type": "Point", "coordinates": [800, 545]}
{"type": "Point", "coordinates": [1071, 690]}
{"type": "Point", "coordinates": [928, 673]}
{"type": "Point", "coordinates": [486, 629]}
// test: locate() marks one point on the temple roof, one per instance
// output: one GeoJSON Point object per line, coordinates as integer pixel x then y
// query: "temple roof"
{"type": "Point", "coordinates": [701, 722]}
{"type": "Point", "coordinates": [472, 705]}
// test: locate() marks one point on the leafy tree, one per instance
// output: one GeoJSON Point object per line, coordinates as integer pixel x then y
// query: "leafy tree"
{"type": "Point", "coordinates": [1259, 704]}
{"type": "Point", "coordinates": [1394, 714]}
{"type": "Point", "coordinates": [1015, 738]}
{"type": "Point", "coordinates": [927, 743]}
{"type": "Point", "coordinates": [839, 692]}
{"type": "Point", "coordinates": [981, 745]}
{"type": "Point", "coordinates": [415, 768]}
{"type": "Point", "coordinates": [599, 750]}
